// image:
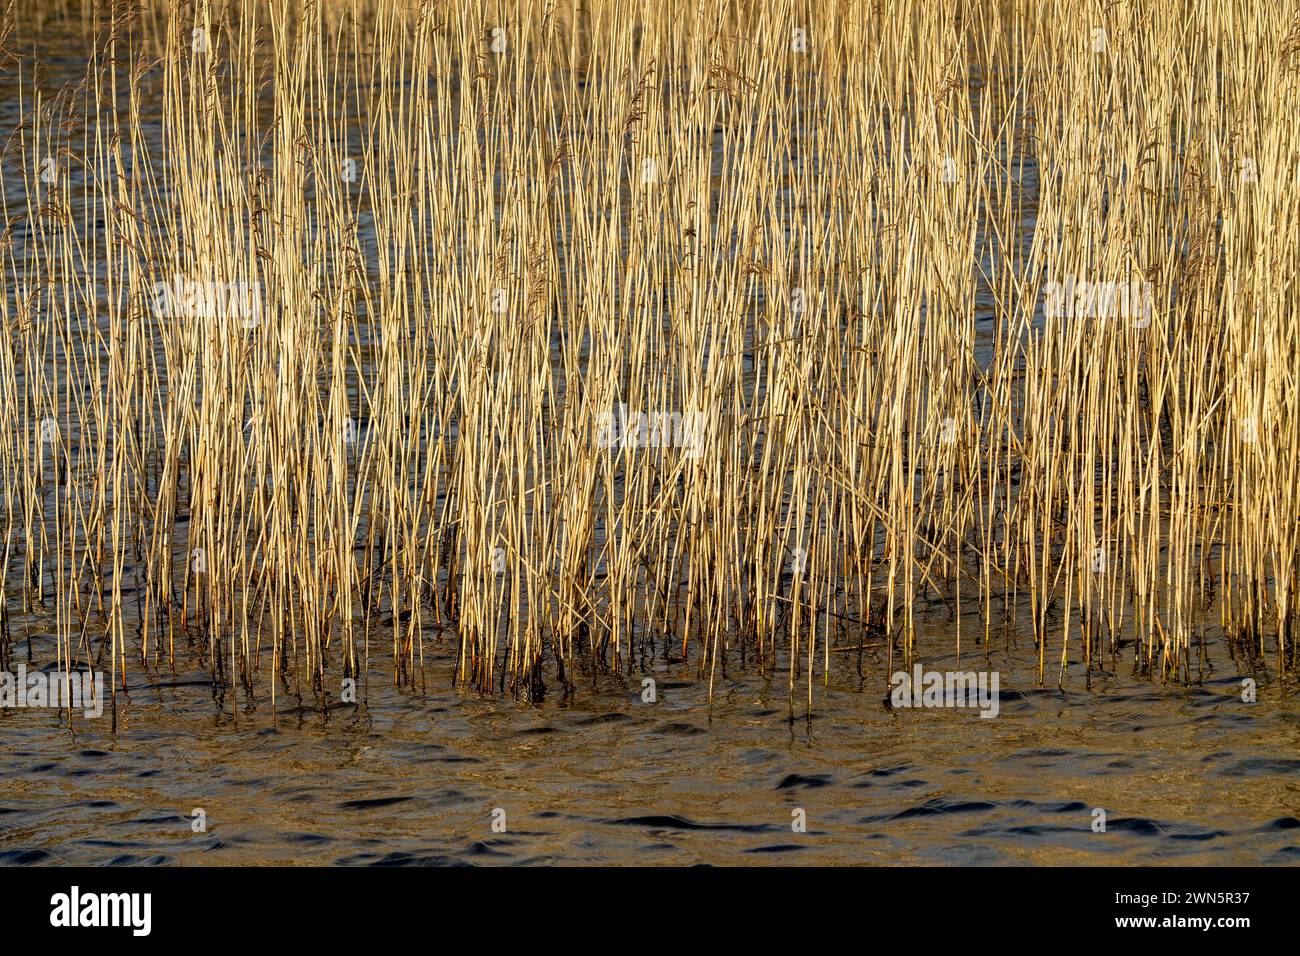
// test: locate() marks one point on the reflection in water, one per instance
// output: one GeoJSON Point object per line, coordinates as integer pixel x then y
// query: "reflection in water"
{"type": "Point", "coordinates": [1192, 776]}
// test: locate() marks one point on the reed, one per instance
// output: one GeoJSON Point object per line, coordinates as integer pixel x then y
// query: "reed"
{"type": "Point", "coordinates": [580, 336]}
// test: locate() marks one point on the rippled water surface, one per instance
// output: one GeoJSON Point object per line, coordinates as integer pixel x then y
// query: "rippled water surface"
{"type": "Point", "coordinates": [1186, 775]}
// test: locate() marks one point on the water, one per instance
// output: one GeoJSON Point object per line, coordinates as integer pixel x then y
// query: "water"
{"type": "Point", "coordinates": [1192, 776]}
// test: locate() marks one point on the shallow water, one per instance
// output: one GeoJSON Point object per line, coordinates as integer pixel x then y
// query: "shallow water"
{"type": "Point", "coordinates": [1186, 775]}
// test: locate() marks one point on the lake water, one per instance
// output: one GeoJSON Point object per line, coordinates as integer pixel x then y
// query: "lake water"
{"type": "Point", "coordinates": [1185, 775]}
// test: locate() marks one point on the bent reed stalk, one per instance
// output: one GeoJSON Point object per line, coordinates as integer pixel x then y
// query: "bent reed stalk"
{"type": "Point", "coordinates": [313, 312]}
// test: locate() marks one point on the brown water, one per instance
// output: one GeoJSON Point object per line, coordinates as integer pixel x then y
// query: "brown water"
{"type": "Point", "coordinates": [1186, 775]}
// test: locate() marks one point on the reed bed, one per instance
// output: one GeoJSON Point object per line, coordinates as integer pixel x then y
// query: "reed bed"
{"type": "Point", "coordinates": [577, 336]}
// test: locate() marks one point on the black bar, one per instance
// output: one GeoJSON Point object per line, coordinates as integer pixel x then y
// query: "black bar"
{"type": "Point", "coordinates": [949, 906]}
